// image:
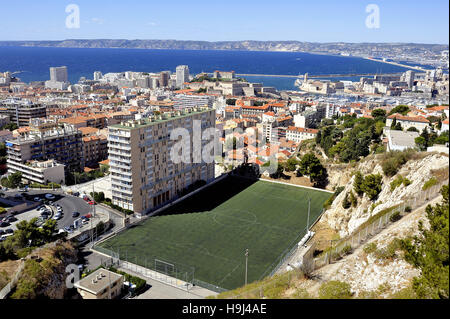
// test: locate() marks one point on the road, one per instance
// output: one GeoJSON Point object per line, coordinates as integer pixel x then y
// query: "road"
{"type": "Point", "coordinates": [68, 203]}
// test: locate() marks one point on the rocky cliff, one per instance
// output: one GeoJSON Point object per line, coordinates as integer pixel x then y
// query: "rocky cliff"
{"type": "Point", "coordinates": [418, 171]}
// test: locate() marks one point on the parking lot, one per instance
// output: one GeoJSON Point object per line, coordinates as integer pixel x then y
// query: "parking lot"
{"type": "Point", "coordinates": [68, 205]}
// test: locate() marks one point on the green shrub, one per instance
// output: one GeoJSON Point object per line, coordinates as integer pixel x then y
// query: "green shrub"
{"type": "Point", "coordinates": [393, 161]}
{"type": "Point", "coordinates": [389, 252]}
{"type": "Point", "coordinates": [372, 185]}
{"type": "Point", "coordinates": [301, 293]}
{"type": "Point", "coordinates": [408, 209]}
{"type": "Point", "coordinates": [346, 202]}
{"type": "Point", "coordinates": [45, 186]}
{"type": "Point", "coordinates": [430, 183]}
{"type": "Point", "coordinates": [370, 248]}
{"type": "Point", "coordinates": [399, 181]}
{"type": "Point", "coordinates": [335, 290]}
{"type": "Point", "coordinates": [395, 217]}
{"type": "Point", "coordinates": [330, 200]}
{"type": "Point", "coordinates": [347, 250]}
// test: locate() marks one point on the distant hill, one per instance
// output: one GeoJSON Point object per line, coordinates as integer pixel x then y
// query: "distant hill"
{"type": "Point", "coordinates": [293, 46]}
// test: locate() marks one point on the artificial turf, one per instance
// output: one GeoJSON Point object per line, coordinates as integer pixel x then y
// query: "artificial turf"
{"type": "Point", "coordinates": [211, 230]}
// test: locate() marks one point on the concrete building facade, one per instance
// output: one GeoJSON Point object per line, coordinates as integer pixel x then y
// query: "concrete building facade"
{"type": "Point", "coordinates": [143, 175]}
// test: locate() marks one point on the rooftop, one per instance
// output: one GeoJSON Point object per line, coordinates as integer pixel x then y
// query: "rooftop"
{"type": "Point", "coordinates": [400, 138]}
{"type": "Point", "coordinates": [98, 281]}
{"type": "Point", "coordinates": [166, 117]}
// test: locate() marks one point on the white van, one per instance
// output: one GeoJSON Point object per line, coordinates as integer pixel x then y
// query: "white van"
{"type": "Point", "coordinates": [3, 237]}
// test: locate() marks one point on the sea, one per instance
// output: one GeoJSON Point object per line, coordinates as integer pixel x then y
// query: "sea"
{"type": "Point", "coordinates": [33, 63]}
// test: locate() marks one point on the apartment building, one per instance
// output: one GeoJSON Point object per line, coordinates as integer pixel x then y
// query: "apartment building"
{"type": "Point", "coordinates": [182, 101]}
{"type": "Point", "coordinates": [95, 146]}
{"type": "Point", "coordinates": [298, 134]}
{"type": "Point", "coordinates": [143, 175]}
{"type": "Point", "coordinates": [22, 111]}
{"type": "Point", "coordinates": [42, 172]}
{"type": "Point", "coordinates": [419, 122]}
{"type": "Point", "coordinates": [95, 120]}
{"type": "Point", "coordinates": [46, 140]}
{"type": "Point", "coordinates": [101, 284]}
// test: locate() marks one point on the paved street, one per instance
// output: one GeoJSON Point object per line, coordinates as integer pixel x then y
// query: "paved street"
{"type": "Point", "coordinates": [156, 290]}
{"type": "Point", "coordinates": [100, 185]}
{"type": "Point", "coordinates": [68, 203]}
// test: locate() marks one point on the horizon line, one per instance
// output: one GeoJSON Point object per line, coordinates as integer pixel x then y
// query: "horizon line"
{"type": "Point", "coordinates": [218, 41]}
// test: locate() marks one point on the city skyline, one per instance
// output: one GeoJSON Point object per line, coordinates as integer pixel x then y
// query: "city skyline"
{"type": "Point", "coordinates": [284, 21]}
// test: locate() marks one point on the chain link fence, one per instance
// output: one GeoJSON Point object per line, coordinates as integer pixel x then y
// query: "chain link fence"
{"type": "Point", "coordinates": [375, 224]}
{"type": "Point", "coordinates": [9, 287]}
{"type": "Point", "coordinates": [174, 274]}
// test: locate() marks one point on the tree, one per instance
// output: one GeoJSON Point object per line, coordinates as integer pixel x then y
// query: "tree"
{"type": "Point", "coordinates": [379, 114]}
{"type": "Point", "coordinates": [230, 101]}
{"type": "Point", "coordinates": [429, 252]}
{"type": "Point", "coordinates": [421, 143]}
{"type": "Point", "coordinates": [311, 166]}
{"type": "Point", "coordinates": [353, 199]}
{"type": "Point", "coordinates": [394, 123]}
{"type": "Point", "coordinates": [291, 164]}
{"type": "Point", "coordinates": [346, 202]}
{"type": "Point", "coordinates": [358, 182]}
{"type": "Point", "coordinates": [279, 171]}
{"type": "Point", "coordinates": [398, 127]}
{"type": "Point", "coordinates": [10, 126]}
{"type": "Point", "coordinates": [412, 129]}
{"type": "Point", "coordinates": [12, 181]}
{"type": "Point", "coordinates": [401, 109]}
{"type": "Point", "coordinates": [372, 185]}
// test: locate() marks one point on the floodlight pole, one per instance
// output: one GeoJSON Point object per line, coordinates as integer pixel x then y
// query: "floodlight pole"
{"type": "Point", "coordinates": [246, 265]}
{"type": "Point", "coordinates": [309, 209]}
{"type": "Point", "coordinates": [93, 199]}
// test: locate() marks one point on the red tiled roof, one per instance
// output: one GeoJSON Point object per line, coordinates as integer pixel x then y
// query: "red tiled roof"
{"type": "Point", "coordinates": [302, 130]}
{"type": "Point", "coordinates": [408, 118]}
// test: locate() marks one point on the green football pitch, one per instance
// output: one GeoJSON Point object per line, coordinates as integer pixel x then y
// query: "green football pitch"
{"type": "Point", "coordinates": [211, 230]}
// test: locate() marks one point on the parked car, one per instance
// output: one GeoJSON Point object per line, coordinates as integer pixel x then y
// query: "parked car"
{"type": "Point", "coordinates": [2, 232]}
{"type": "Point", "coordinates": [4, 224]}
{"type": "Point", "coordinates": [9, 231]}
{"type": "Point", "coordinates": [68, 229]}
{"type": "Point", "coordinates": [38, 199]}
{"type": "Point", "coordinates": [11, 219]}
{"type": "Point", "coordinates": [57, 217]}
{"type": "Point", "coordinates": [92, 203]}
{"type": "Point", "coordinates": [49, 196]}
{"type": "Point", "coordinates": [76, 194]}
{"type": "Point", "coordinates": [85, 221]}
{"type": "Point", "coordinates": [75, 214]}
{"type": "Point", "coordinates": [59, 209]}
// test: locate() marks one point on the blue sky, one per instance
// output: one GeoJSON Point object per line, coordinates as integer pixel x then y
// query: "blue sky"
{"type": "Point", "coordinates": [214, 20]}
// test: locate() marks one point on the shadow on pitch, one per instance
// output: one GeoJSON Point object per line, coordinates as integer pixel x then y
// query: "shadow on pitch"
{"type": "Point", "coordinates": [211, 197]}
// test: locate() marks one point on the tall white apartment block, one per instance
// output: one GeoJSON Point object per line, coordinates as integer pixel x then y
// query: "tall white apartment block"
{"type": "Point", "coordinates": [182, 101]}
{"type": "Point", "coordinates": [98, 75]}
{"type": "Point", "coordinates": [144, 176]}
{"type": "Point", "coordinates": [58, 74]}
{"type": "Point", "coordinates": [182, 73]}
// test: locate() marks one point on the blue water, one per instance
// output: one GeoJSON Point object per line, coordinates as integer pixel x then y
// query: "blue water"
{"type": "Point", "coordinates": [36, 62]}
